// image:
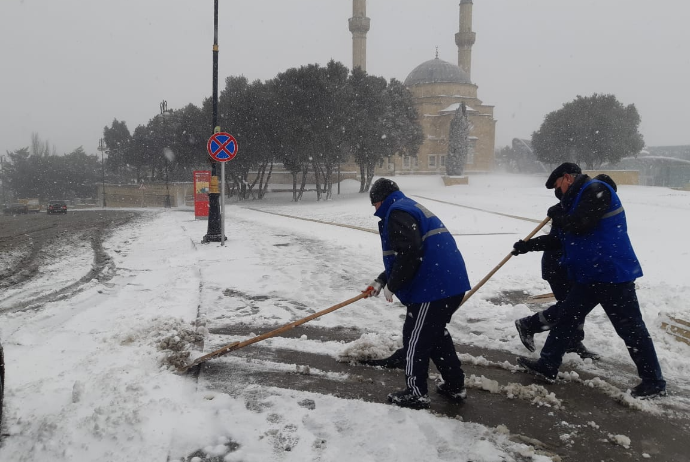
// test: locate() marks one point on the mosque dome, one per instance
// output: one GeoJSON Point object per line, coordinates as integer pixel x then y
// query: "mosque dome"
{"type": "Point", "coordinates": [436, 71]}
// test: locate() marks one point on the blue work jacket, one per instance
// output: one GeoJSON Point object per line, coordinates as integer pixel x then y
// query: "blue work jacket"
{"type": "Point", "coordinates": [442, 272]}
{"type": "Point", "coordinates": [604, 254]}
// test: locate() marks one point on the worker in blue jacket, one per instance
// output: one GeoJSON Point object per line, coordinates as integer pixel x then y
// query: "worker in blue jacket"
{"type": "Point", "coordinates": [425, 270]}
{"type": "Point", "coordinates": [556, 274]}
{"type": "Point", "coordinates": [602, 264]}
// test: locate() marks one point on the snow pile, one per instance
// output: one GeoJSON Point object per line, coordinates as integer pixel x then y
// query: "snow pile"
{"type": "Point", "coordinates": [370, 346]}
{"type": "Point", "coordinates": [173, 337]}
{"type": "Point", "coordinates": [620, 440]}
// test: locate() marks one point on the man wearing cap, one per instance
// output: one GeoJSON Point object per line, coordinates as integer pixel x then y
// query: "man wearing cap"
{"type": "Point", "coordinates": [425, 270]}
{"type": "Point", "coordinates": [603, 267]}
{"type": "Point", "coordinates": [556, 274]}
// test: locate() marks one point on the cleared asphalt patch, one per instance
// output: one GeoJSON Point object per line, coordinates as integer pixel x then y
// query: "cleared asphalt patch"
{"type": "Point", "coordinates": [580, 429]}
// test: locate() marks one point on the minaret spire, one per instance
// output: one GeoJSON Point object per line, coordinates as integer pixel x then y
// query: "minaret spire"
{"type": "Point", "coordinates": [359, 26]}
{"type": "Point", "coordinates": [465, 38]}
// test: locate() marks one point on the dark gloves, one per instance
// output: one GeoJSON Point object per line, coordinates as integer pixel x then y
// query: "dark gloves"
{"type": "Point", "coordinates": [555, 212]}
{"type": "Point", "coordinates": [521, 247]}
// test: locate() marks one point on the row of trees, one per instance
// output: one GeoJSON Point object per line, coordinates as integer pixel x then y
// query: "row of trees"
{"type": "Point", "coordinates": [310, 119]}
{"type": "Point", "coordinates": [36, 173]}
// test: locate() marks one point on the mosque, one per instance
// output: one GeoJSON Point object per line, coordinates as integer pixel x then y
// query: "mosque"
{"type": "Point", "coordinates": [438, 88]}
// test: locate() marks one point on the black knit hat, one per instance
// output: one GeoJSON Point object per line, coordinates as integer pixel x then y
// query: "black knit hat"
{"type": "Point", "coordinates": [567, 167]}
{"type": "Point", "coordinates": [382, 188]}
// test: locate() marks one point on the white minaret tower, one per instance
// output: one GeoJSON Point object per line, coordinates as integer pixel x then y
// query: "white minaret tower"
{"type": "Point", "coordinates": [359, 26]}
{"type": "Point", "coordinates": [465, 38]}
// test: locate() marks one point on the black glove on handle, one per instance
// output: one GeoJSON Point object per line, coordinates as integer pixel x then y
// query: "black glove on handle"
{"type": "Point", "coordinates": [521, 247]}
{"type": "Point", "coordinates": [555, 211]}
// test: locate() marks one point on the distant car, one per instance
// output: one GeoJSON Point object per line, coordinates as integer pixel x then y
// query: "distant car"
{"type": "Point", "coordinates": [57, 207]}
{"type": "Point", "coordinates": [16, 209]}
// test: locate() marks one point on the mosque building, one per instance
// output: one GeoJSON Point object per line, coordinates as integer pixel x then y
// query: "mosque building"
{"type": "Point", "coordinates": [438, 88]}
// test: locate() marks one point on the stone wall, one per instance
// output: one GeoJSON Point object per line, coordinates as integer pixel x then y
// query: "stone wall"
{"type": "Point", "coordinates": [151, 195]}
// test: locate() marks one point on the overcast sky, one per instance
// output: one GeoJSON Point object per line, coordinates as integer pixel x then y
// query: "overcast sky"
{"type": "Point", "coordinates": [69, 67]}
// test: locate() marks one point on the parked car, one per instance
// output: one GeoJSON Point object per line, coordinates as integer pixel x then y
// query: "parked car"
{"type": "Point", "coordinates": [57, 207]}
{"type": "Point", "coordinates": [15, 209]}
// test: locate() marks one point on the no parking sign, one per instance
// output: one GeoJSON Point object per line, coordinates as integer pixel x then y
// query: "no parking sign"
{"type": "Point", "coordinates": [222, 147]}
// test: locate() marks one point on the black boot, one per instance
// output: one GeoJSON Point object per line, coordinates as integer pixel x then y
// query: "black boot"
{"type": "Point", "coordinates": [395, 361]}
{"type": "Point", "coordinates": [406, 398]}
{"type": "Point", "coordinates": [583, 352]}
{"type": "Point", "coordinates": [456, 393]}
{"type": "Point", "coordinates": [526, 337]}
{"type": "Point", "coordinates": [537, 369]}
{"type": "Point", "coordinates": [647, 390]}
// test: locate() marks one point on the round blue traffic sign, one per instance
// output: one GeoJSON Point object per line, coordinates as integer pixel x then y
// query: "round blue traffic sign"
{"type": "Point", "coordinates": [222, 147]}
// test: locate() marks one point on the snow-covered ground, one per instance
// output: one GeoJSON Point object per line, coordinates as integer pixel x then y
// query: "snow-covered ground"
{"type": "Point", "coordinates": [87, 379]}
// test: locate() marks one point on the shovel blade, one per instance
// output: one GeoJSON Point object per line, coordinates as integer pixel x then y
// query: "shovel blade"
{"type": "Point", "coordinates": [202, 359]}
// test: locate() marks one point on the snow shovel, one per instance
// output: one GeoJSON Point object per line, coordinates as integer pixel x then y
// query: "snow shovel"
{"type": "Point", "coordinates": [237, 345]}
{"type": "Point", "coordinates": [503, 262]}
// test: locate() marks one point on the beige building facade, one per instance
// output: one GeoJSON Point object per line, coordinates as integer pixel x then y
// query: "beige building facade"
{"type": "Point", "coordinates": [439, 88]}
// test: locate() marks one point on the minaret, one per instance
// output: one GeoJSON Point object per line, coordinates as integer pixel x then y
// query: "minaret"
{"type": "Point", "coordinates": [359, 26]}
{"type": "Point", "coordinates": [465, 38]}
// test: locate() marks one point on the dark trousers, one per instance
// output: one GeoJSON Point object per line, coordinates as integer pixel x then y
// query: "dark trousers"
{"type": "Point", "coordinates": [425, 337]}
{"type": "Point", "coordinates": [623, 310]}
{"type": "Point", "coordinates": [546, 319]}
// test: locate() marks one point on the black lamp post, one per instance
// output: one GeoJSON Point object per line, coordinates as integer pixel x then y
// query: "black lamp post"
{"type": "Point", "coordinates": [164, 114]}
{"type": "Point", "coordinates": [214, 231]}
{"type": "Point", "coordinates": [2, 167]}
{"type": "Point", "coordinates": [102, 148]}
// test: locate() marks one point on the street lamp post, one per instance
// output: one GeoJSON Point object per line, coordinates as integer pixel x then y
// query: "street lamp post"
{"type": "Point", "coordinates": [102, 148]}
{"type": "Point", "coordinates": [164, 114]}
{"type": "Point", "coordinates": [214, 231]}
{"type": "Point", "coordinates": [2, 167]}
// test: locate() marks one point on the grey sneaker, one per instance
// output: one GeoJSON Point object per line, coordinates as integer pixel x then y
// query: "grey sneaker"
{"type": "Point", "coordinates": [405, 398]}
{"type": "Point", "coordinates": [526, 337]}
{"type": "Point", "coordinates": [454, 393]}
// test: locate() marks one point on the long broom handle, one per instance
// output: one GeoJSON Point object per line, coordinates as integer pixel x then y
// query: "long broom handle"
{"type": "Point", "coordinates": [299, 322]}
{"type": "Point", "coordinates": [237, 345]}
{"type": "Point", "coordinates": [503, 262]}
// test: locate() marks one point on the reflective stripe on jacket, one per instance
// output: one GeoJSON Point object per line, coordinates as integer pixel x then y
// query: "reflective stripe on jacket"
{"type": "Point", "coordinates": [442, 272]}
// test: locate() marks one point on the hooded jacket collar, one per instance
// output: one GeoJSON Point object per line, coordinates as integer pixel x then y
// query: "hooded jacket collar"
{"type": "Point", "coordinates": [386, 204]}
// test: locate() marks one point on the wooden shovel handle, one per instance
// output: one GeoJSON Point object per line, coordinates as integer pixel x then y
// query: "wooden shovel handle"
{"type": "Point", "coordinates": [503, 262]}
{"type": "Point", "coordinates": [237, 345]}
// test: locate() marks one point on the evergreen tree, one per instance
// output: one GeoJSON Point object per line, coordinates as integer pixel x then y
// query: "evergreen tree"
{"type": "Point", "coordinates": [117, 138]}
{"type": "Point", "coordinates": [367, 109]}
{"type": "Point", "coordinates": [589, 131]}
{"type": "Point", "coordinates": [458, 142]}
